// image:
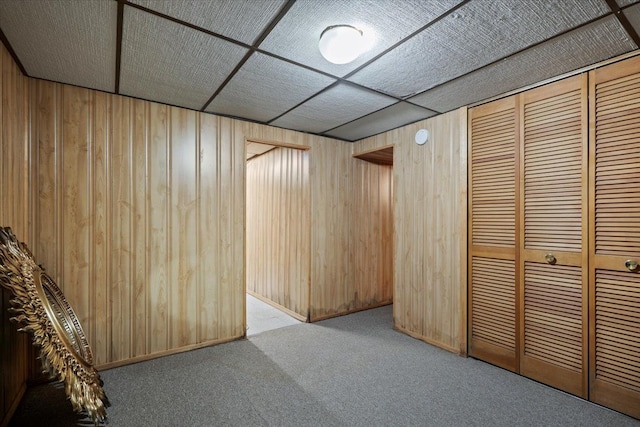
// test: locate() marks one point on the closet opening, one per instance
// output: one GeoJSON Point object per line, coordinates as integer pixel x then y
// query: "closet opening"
{"type": "Point", "coordinates": [278, 235]}
{"type": "Point", "coordinates": [372, 227]}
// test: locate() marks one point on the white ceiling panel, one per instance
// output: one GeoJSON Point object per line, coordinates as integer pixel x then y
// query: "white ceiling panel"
{"type": "Point", "coordinates": [392, 117]}
{"type": "Point", "coordinates": [170, 63]}
{"type": "Point", "coordinates": [474, 35]}
{"type": "Point", "coordinates": [296, 36]}
{"type": "Point", "coordinates": [281, 86]}
{"type": "Point", "coordinates": [595, 42]}
{"type": "Point", "coordinates": [622, 3]}
{"type": "Point", "coordinates": [241, 20]}
{"type": "Point", "coordinates": [338, 105]}
{"type": "Point", "coordinates": [64, 40]}
{"type": "Point", "coordinates": [633, 15]}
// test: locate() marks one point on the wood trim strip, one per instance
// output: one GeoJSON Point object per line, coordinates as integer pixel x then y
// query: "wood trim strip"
{"type": "Point", "coordinates": [152, 356]}
{"type": "Point", "coordinates": [373, 150]}
{"type": "Point", "coordinates": [463, 223]}
{"type": "Point", "coordinates": [278, 143]}
{"type": "Point", "coordinates": [119, 24]}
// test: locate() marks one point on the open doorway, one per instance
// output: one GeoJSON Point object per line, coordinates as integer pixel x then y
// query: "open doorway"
{"type": "Point", "coordinates": [278, 235]}
{"type": "Point", "coordinates": [372, 229]}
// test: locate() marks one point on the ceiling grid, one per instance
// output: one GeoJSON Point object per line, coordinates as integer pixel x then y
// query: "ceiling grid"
{"type": "Point", "coordinates": [258, 60]}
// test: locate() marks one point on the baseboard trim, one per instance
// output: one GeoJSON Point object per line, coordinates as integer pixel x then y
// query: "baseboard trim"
{"type": "Point", "coordinates": [146, 357]}
{"type": "Point", "coordinates": [354, 310]}
{"type": "Point", "coordinates": [429, 341]}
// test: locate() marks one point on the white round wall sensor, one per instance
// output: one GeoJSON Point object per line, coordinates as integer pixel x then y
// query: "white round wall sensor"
{"type": "Point", "coordinates": [422, 136]}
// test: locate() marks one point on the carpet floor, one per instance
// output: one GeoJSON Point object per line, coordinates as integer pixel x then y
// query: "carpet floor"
{"type": "Point", "coordinates": [353, 370]}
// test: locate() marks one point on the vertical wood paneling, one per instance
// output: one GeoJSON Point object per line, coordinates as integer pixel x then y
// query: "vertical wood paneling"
{"type": "Point", "coordinates": [45, 140]}
{"type": "Point", "coordinates": [278, 228]}
{"type": "Point", "coordinates": [149, 249]}
{"type": "Point", "coordinates": [231, 217]}
{"type": "Point", "coordinates": [76, 193]}
{"type": "Point", "coordinates": [182, 282]}
{"type": "Point", "coordinates": [429, 229]}
{"type": "Point", "coordinates": [332, 276]}
{"type": "Point", "coordinates": [120, 265]}
{"type": "Point", "coordinates": [158, 228]}
{"type": "Point", "coordinates": [100, 319]}
{"type": "Point", "coordinates": [139, 190]}
{"type": "Point", "coordinates": [209, 310]}
{"type": "Point", "coordinates": [15, 210]}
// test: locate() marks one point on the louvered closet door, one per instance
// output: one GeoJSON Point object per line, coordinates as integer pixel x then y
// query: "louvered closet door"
{"type": "Point", "coordinates": [492, 240]}
{"type": "Point", "coordinates": [615, 226]}
{"type": "Point", "coordinates": [554, 254]}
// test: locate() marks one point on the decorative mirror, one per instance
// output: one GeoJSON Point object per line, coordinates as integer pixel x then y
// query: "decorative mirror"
{"type": "Point", "coordinates": [41, 309]}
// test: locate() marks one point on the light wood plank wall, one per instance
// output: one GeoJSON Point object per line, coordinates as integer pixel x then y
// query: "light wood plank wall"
{"type": "Point", "coordinates": [139, 219]}
{"type": "Point", "coordinates": [15, 206]}
{"type": "Point", "coordinates": [430, 228]}
{"type": "Point", "coordinates": [279, 229]}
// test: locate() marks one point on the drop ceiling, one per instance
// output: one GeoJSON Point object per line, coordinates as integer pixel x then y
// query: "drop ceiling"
{"type": "Point", "coordinates": [258, 60]}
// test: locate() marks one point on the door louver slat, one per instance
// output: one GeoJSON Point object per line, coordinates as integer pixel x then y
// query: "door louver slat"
{"type": "Point", "coordinates": [617, 341]}
{"type": "Point", "coordinates": [617, 174]}
{"type": "Point", "coordinates": [553, 326]}
{"type": "Point", "coordinates": [553, 218]}
{"type": "Point", "coordinates": [494, 302]}
{"type": "Point", "coordinates": [614, 184]}
{"type": "Point", "coordinates": [493, 183]}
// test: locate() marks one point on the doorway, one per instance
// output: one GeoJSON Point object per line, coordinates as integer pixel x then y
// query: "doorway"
{"type": "Point", "coordinates": [372, 230]}
{"type": "Point", "coordinates": [278, 235]}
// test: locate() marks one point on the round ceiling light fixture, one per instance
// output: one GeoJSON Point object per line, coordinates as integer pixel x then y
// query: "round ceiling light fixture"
{"type": "Point", "coordinates": [341, 44]}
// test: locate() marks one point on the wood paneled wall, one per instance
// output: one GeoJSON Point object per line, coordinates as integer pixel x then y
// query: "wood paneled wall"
{"type": "Point", "coordinates": [15, 209]}
{"type": "Point", "coordinates": [430, 199]}
{"type": "Point", "coordinates": [139, 212]}
{"type": "Point", "coordinates": [139, 219]}
{"type": "Point", "coordinates": [372, 233]}
{"type": "Point", "coordinates": [279, 229]}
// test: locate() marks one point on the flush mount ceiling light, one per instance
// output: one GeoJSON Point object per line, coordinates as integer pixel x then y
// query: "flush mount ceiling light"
{"type": "Point", "coordinates": [341, 44]}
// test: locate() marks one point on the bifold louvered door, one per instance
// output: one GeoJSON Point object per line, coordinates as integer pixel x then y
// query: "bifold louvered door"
{"type": "Point", "coordinates": [553, 225]}
{"type": "Point", "coordinates": [615, 236]}
{"type": "Point", "coordinates": [492, 237]}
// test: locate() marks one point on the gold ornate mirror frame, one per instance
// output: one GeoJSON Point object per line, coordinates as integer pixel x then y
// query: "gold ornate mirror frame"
{"type": "Point", "coordinates": [41, 309]}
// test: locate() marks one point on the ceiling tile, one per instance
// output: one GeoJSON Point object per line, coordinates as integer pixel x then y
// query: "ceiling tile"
{"type": "Point", "coordinates": [241, 20]}
{"type": "Point", "coordinates": [392, 117]}
{"type": "Point", "coordinates": [633, 15]}
{"type": "Point", "coordinates": [474, 35]}
{"type": "Point", "coordinates": [64, 40]}
{"type": "Point", "coordinates": [592, 43]}
{"type": "Point", "coordinates": [623, 3]}
{"type": "Point", "coordinates": [282, 86]}
{"type": "Point", "coordinates": [170, 63]}
{"type": "Point", "coordinates": [387, 22]}
{"type": "Point", "coordinates": [338, 105]}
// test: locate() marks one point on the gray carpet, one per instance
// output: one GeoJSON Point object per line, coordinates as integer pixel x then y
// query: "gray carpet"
{"type": "Point", "coordinates": [348, 371]}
